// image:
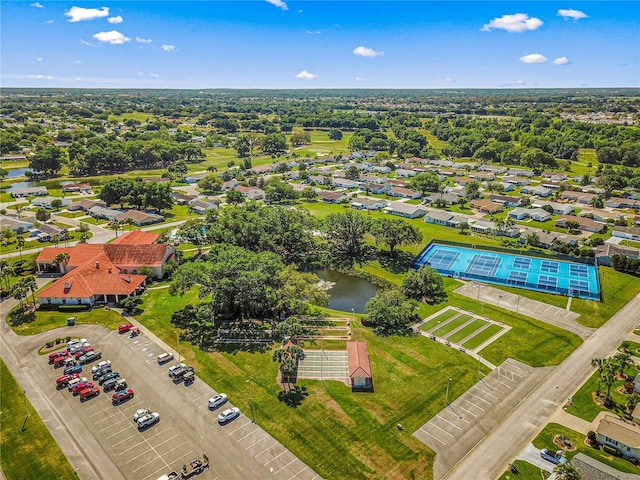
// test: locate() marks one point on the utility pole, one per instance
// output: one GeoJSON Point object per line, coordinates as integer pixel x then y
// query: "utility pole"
{"type": "Point", "coordinates": [253, 417]}
{"type": "Point", "coordinates": [178, 339]}
{"type": "Point", "coordinates": [447, 395]}
{"type": "Point", "coordinates": [26, 410]}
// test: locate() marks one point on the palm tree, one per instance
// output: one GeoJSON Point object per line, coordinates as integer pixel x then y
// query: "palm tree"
{"type": "Point", "coordinates": [30, 284]}
{"type": "Point", "coordinates": [564, 471]}
{"type": "Point", "coordinates": [623, 360]}
{"type": "Point", "coordinates": [609, 377]}
{"type": "Point", "coordinates": [116, 226]}
{"type": "Point", "coordinates": [56, 239]}
{"type": "Point", "coordinates": [600, 363]}
{"type": "Point", "coordinates": [20, 240]}
{"type": "Point", "coordinates": [61, 261]}
{"type": "Point", "coordinates": [19, 292]}
{"type": "Point", "coordinates": [6, 271]}
{"type": "Point", "coordinates": [7, 234]}
{"type": "Point", "coordinates": [65, 235]}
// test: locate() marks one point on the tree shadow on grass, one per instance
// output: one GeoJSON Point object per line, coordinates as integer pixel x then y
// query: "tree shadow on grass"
{"type": "Point", "coordinates": [399, 262]}
{"type": "Point", "coordinates": [18, 317]}
{"type": "Point", "coordinates": [293, 397]}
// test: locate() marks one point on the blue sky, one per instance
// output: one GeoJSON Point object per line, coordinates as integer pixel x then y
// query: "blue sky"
{"type": "Point", "coordinates": [320, 44]}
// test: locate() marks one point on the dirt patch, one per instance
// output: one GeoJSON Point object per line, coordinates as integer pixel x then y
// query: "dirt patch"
{"type": "Point", "coordinates": [564, 443]}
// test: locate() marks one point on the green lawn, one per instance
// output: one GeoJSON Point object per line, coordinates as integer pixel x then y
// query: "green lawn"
{"type": "Point", "coordinates": [545, 440]}
{"type": "Point", "coordinates": [28, 449]}
{"type": "Point", "coordinates": [482, 337]}
{"type": "Point", "coordinates": [47, 320]}
{"type": "Point", "coordinates": [526, 471]}
{"type": "Point", "coordinates": [466, 331]}
{"type": "Point", "coordinates": [439, 319]}
{"type": "Point", "coordinates": [354, 434]}
{"type": "Point", "coordinates": [68, 214]}
{"type": "Point", "coordinates": [452, 325]}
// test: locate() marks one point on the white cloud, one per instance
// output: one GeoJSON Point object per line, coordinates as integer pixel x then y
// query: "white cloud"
{"type": "Point", "coordinates": [154, 75]}
{"type": "Point", "coordinates": [84, 42]}
{"type": "Point", "coordinates": [37, 5]}
{"type": "Point", "coordinates": [117, 19]}
{"type": "Point", "coordinates": [570, 13]}
{"type": "Point", "coordinates": [78, 14]}
{"type": "Point", "coordinates": [515, 83]}
{"type": "Point", "coordinates": [359, 79]}
{"type": "Point", "coordinates": [49, 22]}
{"type": "Point", "coordinates": [168, 48]}
{"type": "Point", "coordinates": [78, 62]}
{"type": "Point", "coordinates": [533, 58]}
{"type": "Point", "coordinates": [113, 37]}
{"type": "Point", "coordinates": [306, 75]}
{"type": "Point", "coordinates": [46, 77]}
{"type": "Point", "coordinates": [366, 52]}
{"type": "Point", "coordinates": [561, 61]}
{"type": "Point", "coordinates": [279, 4]}
{"type": "Point", "coordinates": [39, 59]}
{"type": "Point", "coordinates": [449, 79]}
{"type": "Point", "coordinates": [313, 32]}
{"type": "Point", "coordinates": [143, 40]}
{"type": "Point", "coordinates": [518, 22]}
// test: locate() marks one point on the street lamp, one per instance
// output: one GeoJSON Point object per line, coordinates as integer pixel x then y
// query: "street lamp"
{"type": "Point", "coordinates": [447, 395]}
{"type": "Point", "coordinates": [178, 339]}
{"type": "Point", "coordinates": [518, 304]}
{"type": "Point", "coordinates": [478, 372]}
{"type": "Point", "coordinates": [499, 298]}
{"type": "Point", "coordinates": [253, 417]}
{"type": "Point", "coordinates": [26, 410]}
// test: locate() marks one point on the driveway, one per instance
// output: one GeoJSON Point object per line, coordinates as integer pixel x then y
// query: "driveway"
{"type": "Point", "coordinates": [531, 455]}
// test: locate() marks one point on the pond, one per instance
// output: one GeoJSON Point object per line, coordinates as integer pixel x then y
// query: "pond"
{"type": "Point", "coordinates": [16, 172]}
{"type": "Point", "coordinates": [347, 292]}
{"type": "Point", "coordinates": [17, 185]}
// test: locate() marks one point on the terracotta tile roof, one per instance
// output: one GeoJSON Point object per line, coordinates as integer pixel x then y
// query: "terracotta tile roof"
{"type": "Point", "coordinates": [137, 237]}
{"type": "Point", "coordinates": [84, 283]}
{"type": "Point", "coordinates": [78, 255]}
{"type": "Point", "coordinates": [136, 255]}
{"type": "Point", "coordinates": [359, 365]}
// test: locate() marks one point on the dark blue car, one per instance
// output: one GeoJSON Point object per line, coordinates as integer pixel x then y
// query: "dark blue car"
{"type": "Point", "coordinates": [73, 369]}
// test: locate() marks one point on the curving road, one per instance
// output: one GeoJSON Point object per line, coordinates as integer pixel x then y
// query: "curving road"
{"type": "Point", "coordinates": [490, 458]}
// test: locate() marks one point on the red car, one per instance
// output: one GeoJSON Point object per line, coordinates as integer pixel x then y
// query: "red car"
{"type": "Point", "coordinates": [82, 351]}
{"type": "Point", "coordinates": [89, 392]}
{"type": "Point", "coordinates": [63, 380]}
{"type": "Point", "coordinates": [81, 386]}
{"type": "Point", "coordinates": [54, 355]}
{"type": "Point", "coordinates": [122, 395]}
{"type": "Point", "coordinates": [125, 327]}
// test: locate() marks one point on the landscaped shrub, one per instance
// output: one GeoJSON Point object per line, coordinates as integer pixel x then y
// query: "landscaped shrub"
{"type": "Point", "coordinates": [591, 436]}
{"type": "Point", "coordinates": [49, 344]}
{"type": "Point", "coordinates": [73, 308]}
{"type": "Point", "coordinates": [610, 450]}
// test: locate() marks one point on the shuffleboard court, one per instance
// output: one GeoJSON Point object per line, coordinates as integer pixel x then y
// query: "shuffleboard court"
{"type": "Point", "coordinates": [443, 317]}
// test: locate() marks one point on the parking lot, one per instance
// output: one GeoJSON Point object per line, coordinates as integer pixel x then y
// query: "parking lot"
{"type": "Point", "coordinates": [187, 429]}
{"type": "Point", "coordinates": [453, 431]}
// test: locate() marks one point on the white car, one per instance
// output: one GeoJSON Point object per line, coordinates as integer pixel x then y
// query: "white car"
{"type": "Point", "coordinates": [140, 413]}
{"type": "Point", "coordinates": [73, 382]}
{"type": "Point", "coordinates": [98, 366]}
{"type": "Point", "coordinates": [228, 415]}
{"type": "Point", "coordinates": [76, 341]}
{"type": "Point", "coordinates": [148, 420]}
{"type": "Point", "coordinates": [217, 400]}
{"type": "Point", "coordinates": [175, 367]}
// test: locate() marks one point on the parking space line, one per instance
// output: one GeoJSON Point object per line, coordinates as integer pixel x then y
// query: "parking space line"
{"type": "Point", "coordinates": [508, 386]}
{"type": "Point", "coordinates": [470, 413]}
{"type": "Point", "coordinates": [167, 441]}
{"type": "Point", "coordinates": [487, 393]}
{"type": "Point", "coordinates": [258, 441]}
{"type": "Point", "coordinates": [137, 456]}
{"type": "Point", "coordinates": [432, 436]}
{"type": "Point", "coordinates": [122, 441]}
{"type": "Point", "coordinates": [275, 458]}
{"type": "Point", "coordinates": [305, 467]}
{"type": "Point", "coordinates": [239, 428]}
{"type": "Point", "coordinates": [112, 424]}
{"type": "Point", "coordinates": [171, 450]}
{"type": "Point", "coordinates": [117, 433]}
{"type": "Point", "coordinates": [462, 399]}
{"type": "Point", "coordinates": [129, 448]}
{"type": "Point", "coordinates": [248, 434]}
{"type": "Point", "coordinates": [434, 425]}
{"type": "Point", "coordinates": [266, 450]}
{"type": "Point", "coordinates": [294, 459]}
{"type": "Point", "coordinates": [474, 395]}
{"type": "Point", "coordinates": [153, 474]}
{"type": "Point", "coordinates": [450, 423]}
{"type": "Point", "coordinates": [450, 410]}
{"type": "Point", "coordinates": [154, 460]}
{"type": "Point", "coordinates": [109, 417]}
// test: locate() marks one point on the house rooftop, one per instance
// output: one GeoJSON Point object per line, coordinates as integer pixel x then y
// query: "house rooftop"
{"type": "Point", "coordinates": [619, 430]}
{"type": "Point", "coordinates": [137, 237]}
{"type": "Point", "coordinates": [359, 364]}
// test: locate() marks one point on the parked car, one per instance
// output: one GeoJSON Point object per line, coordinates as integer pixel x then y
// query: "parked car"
{"type": "Point", "coordinates": [75, 341]}
{"type": "Point", "coordinates": [175, 367]}
{"type": "Point", "coordinates": [89, 392]}
{"type": "Point", "coordinates": [109, 384]}
{"type": "Point", "coordinates": [217, 400]}
{"type": "Point", "coordinates": [164, 358]}
{"type": "Point", "coordinates": [77, 347]}
{"type": "Point", "coordinates": [75, 381]}
{"type": "Point", "coordinates": [139, 413]}
{"type": "Point", "coordinates": [89, 357]}
{"type": "Point", "coordinates": [228, 415]}
{"type": "Point", "coordinates": [181, 372]}
{"type": "Point", "coordinates": [98, 366]}
{"type": "Point", "coordinates": [82, 351]}
{"type": "Point", "coordinates": [148, 419]}
{"type": "Point", "coordinates": [73, 369]}
{"type": "Point", "coordinates": [125, 327]}
{"type": "Point", "coordinates": [63, 361]}
{"type": "Point", "coordinates": [75, 389]}
{"type": "Point", "coordinates": [101, 371]}
{"type": "Point", "coordinates": [188, 377]}
{"type": "Point", "coordinates": [553, 457]}
{"type": "Point", "coordinates": [122, 396]}
{"type": "Point", "coordinates": [64, 380]}
{"type": "Point", "coordinates": [53, 356]}
{"type": "Point", "coordinates": [121, 384]}
{"type": "Point", "coordinates": [108, 376]}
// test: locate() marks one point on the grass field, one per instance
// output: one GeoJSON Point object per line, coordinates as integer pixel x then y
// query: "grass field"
{"type": "Point", "coordinates": [466, 331]}
{"type": "Point", "coordinates": [439, 319]}
{"type": "Point", "coordinates": [28, 449]}
{"type": "Point", "coordinates": [47, 320]}
{"type": "Point", "coordinates": [452, 325]}
{"type": "Point", "coordinates": [526, 471]}
{"type": "Point", "coordinates": [482, 337]}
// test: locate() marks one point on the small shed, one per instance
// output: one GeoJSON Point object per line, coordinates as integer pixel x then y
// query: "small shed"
{"type": "Point", "coordinates": [359, 366]}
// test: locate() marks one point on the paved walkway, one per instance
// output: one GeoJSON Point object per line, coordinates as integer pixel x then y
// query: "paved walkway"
{"type": "Point", "coordinates": [544, 312]}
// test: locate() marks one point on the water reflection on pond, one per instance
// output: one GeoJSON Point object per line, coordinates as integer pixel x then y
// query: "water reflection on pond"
{"type": "Point", "coordinates": [348, 292]}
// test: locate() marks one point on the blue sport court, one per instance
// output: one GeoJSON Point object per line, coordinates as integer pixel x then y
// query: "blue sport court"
{"type": "Point", "coordinates": [533, 273]}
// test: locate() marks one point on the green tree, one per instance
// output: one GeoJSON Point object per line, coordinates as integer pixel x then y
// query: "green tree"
{"type": "Point", "coordinates": [425, 182]}
{"type": "Point", "coordinates": [56, 204]}
{"type": "Point", "coordinates": [335, 134]}
{"type": "Point", "coordinates": [632, 401]}
{"type": "Point", "coordinates": [352, 173]}
{"type": "Point", "coordinates": [278, 191]}
{"type": "Point", "coordinates": [42, 215]}
{"type": "Point", "coordinates": [234, 197]}
{"type": "Point", "coordinates": [623, 360]}
{"type": "Point", "coordinates": [565, 471]}
{"type": "Point", "coordinates": [472, 190]}
{"type": "Point", "coordinates": [211, 183]}
{"type": "Point", "coordinates": [47, 160]}
{"type": "Point", "coordinates": [7, 270]}
{"type": "Point", "coordinates": [599, 363]}
{"type": "Point", "coordinates": [424, 284]}
{"type": "Point", "coordinates": [61, 260]}
{"type": "Point", "coordinates": [389, 312]}
{"type": "Point", "coordinates": [274, 143]}
{"type": "Point", "coordinates": [346, 236]}
{"type": "Point", "coordinates": [394, 233]}
{"type": "Point", "coordinates": [7, 235]}
{"type": "Point", "coordinates": [300, 137]}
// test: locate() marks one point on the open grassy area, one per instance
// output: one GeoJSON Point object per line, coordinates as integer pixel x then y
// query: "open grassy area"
{"type": "Point", "coordinates": [439, 319]}
{"type": "Point", "coordinates": [526, 471]}
{"type": "Point", "coordinates": [354, 434]}
{"type": "Point", "coordinates": [466, 331]}
{"type": "Point", "coordinates": [545, 440]}
{"type": "Point", "coordinates": [482, 337]}
{"type": "Point", "coordinates": [47, 320]}
{"type": "Point", "coordinates": [28, 449]}
{"type": "Point", "coordinates": [452, 325]}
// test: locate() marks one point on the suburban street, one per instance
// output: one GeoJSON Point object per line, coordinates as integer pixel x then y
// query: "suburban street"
{"type": "Point", "coordinates": [490, 458]}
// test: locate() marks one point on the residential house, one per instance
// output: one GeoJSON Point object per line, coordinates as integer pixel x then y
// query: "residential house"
{"type": "Point", "coordinates": [482, 177]}
{"type": "Point", "coordinates": [343, 183]}
{"type": "Point", "coordinates": [251, 193]}
{"type": "Point", "coordinates": [517, 181]}
{"type": "Point", "coordinates": [483, 226]}
{"type": "Point", "coordinates": [138, 217]}
{"type": "Point", "coordinates": [449, 198]}
{"type": "Point", "coordinates": [492, 168]}
{"type": "Point", "coordinates": [45, 202]}
{"type": "Point", "coordinates": [506, 200]}
{"type": "Point", "coordinates": [463, 181]}
{"type": "Point", "coordinates": [396, 182]}
{"type": "Point", "coordinates": [555, 176]}
{"type": "Point", "coordinates": [486, 206]}
{"type": "Point", "coordinates": [103, 212]}
{"type": "Point", "coordinates": [77, 187]}
{"type": "Point", "coordinates": [619, 434]}
{"type": "Point", "coordinates": [586, 224]}
{"type": "Point", "coordinates": [319, 179]}
{"type": "Point", "coordinates": [448, 219]}
{"type": "Point", "coordinates": [636, 220]}
{"type": "Point", "coordinates": [15, 224]}
{"type": "Point", "coordinates": [552, 185]}
{"type": "Point", "coordinates": [558, 208]}
{"type": "Point", "coordinates": [618, 202]}
{"type": "Point", "coordinates": [405, 210]}
{"type": "Point", "coordinates": [230, 184]}
{"type": "Point", "coordinates": [404, 193]}
{"type": "Point", "coordinates": [195, 178]}
{"type": "Point", "coordinates": [378, 189]}
{"type": "Point", "coordinates": [628, 233]}
{"type": "Point", "coordinates": [364, 203]}
{"type": "Point", "coordinates": [46, 232]}
{"type": "Point", "coordinates": [521, 173]}
{"type": "Point", "coordinates": [537, 191]}
{"type": "Point", "coordinates": [605, 252]}
{"type": "Point", "coordinates": [507, 187]}
{"type": "Point", "coordinates": [537, 214]}
{"type": "Point", "coordinates": [382, 169]}
{"type": "Point", "coordinates": [360, 376]}
{"type": "Point", "coordinates": [404, 173]}
{"type": "Point", "coordinates": [201, 206]}
{"type": "Point", "coordinates": [371, 179]}
{"type": "Point", "coordinates": [85, 205]}
{"type": "Point", "coordinates": [183, 198]}
{"type": "Point", "coordinates": [29, 192]}
{"type": "Point", "coordinates": [601, 215]}
{"type": "Point", "coordinates": [333, 197]}
{"type": "Point", "coordinates": [584, 198]}
{"type": "Point", "coordinates": [261, 169]}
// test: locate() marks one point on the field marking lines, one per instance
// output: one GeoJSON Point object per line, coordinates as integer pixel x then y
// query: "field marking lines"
{"type": "Point", "coordinates": [305, 467]}
{"type": "Point", "coordinates": [294, 459]}
{"type": "Point", "coordinates": [266, 449]}
{"type": "Point", "coordinates": [248, 434]}
{"type": "Point", "coordinates": [447, 421]}
{"type": "Point", "coordinates": [275, 458]}
{"type": "Point", "coordinates": [442, 429]}
{"type": "Point", "coordinates": [432, 436]}
{"type": "Point", "coordinates": [258, 441]}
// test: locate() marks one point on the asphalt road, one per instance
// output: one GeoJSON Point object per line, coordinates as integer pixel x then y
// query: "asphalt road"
{"type": "Point", "coordinates": [490, 458]}
{"type": "Point", "coordinates": [102, 441]}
